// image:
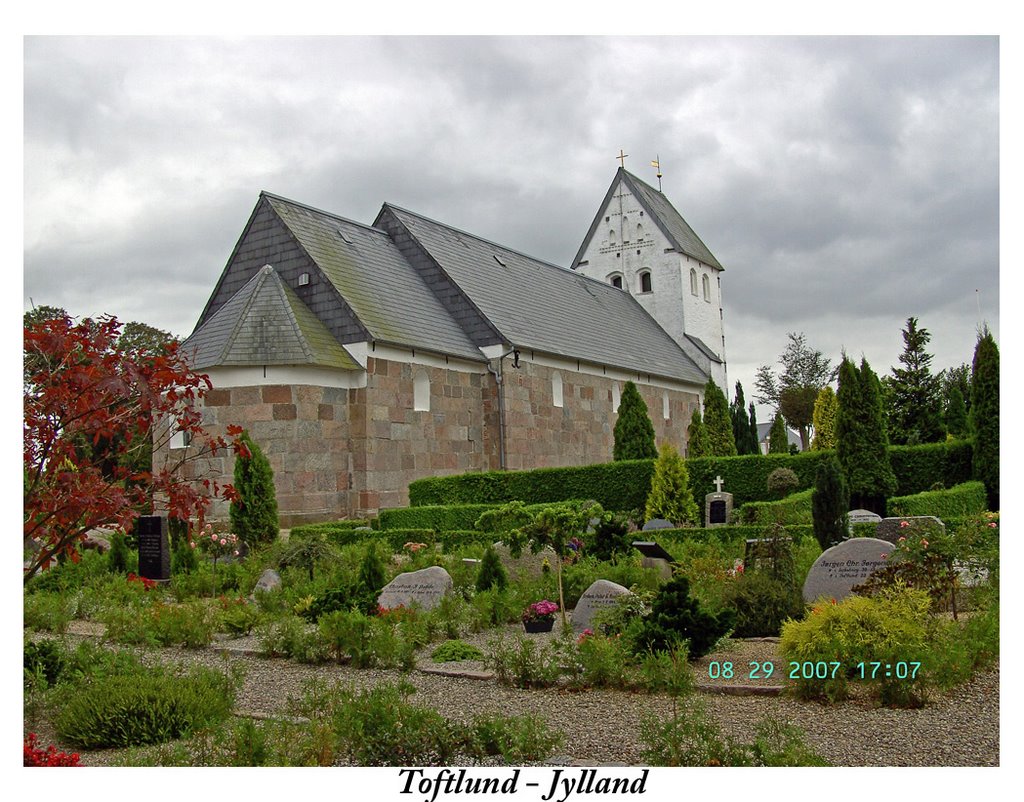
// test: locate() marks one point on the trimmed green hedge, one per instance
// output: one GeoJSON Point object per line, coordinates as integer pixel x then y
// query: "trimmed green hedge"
{"type": "Point", "coordinates": [726, 534]}
{"type": "Point", "coordinates": [961, 501]}
{"type": "Point", "coordinates": [793, 509]}
{"type": "Point", "coordinates": [340, 533]}
{"type": "Point", "coordinates": [624, 485]}
{"type": "Point", "coordinates": [441, 518]}
{"type": "Point", "coordinates": [620, 485]}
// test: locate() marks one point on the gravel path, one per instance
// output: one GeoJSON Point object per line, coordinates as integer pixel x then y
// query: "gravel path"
{"type": "Point", "coordinates": [958, 729]}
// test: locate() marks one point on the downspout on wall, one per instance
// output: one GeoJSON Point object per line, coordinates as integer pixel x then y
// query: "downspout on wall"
{"type": "Point", "coordinates": [499, 380]}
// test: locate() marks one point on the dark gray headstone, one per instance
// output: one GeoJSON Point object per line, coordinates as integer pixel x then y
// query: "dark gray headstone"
{"type": "Point", "coordinates": [599, 596]}
{"type": "Point", "coordinates": [892, 529]}
{"type": "Point", "coordinates": [840, 568]}
{"type": "Point", "coordinates": [651, 549]}
{"type": "Point", "coordinates": [658, 523]}
{"type": "Point", "coordinates": [154, 547]}
{"type": "Point", "coordinates": [424, 588]}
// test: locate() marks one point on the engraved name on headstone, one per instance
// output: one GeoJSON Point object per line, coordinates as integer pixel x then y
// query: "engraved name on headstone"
{"type": "Point", "coordinates": [840, 568]}
{"type": "Point", "coordinates": [154, 547]}
{"type": "Point", "coordinates": [601, 595]}
{"type": "Point", "coordinates": [424, 588]}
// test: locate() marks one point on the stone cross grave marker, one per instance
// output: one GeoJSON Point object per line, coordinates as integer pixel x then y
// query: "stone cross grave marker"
{"type": "Point", "coordinates": [599, 596]}
{"type": "Point", "coordinates": [717, 505]}
{"type": "Point", "coordinates": [424, 588]}
{"type": "Point", "coordinates": [154, 547]}
{"type": "Point", "coordinates": [841, 567]}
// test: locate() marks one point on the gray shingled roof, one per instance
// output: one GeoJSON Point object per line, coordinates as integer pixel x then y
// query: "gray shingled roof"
{"type": "Point", "coordinates": [384, 291]}
{"type": "Point", "coordinates": [658, 207]}
{"type": "Point", "coordinates": [540, 306]}
{"type": "Point", "coordinates": [265, 323]}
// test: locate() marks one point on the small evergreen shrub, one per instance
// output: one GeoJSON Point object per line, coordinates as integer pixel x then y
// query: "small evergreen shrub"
{"type": "Point", "coordinates": [291, 637]}
{"type": "Point", "coordinates": [762, 604]}
{"type": "Point", "coordinates": [144, 708]}
{"type": "Point", "coordinates": [44, 659]}
{"type": "Point", "coordinates": [183, 557]}
{"type": "Point", "coordinates": [670, 497]}
{"type": "Point", "coordinates": [610, 537]}
{"type": "Point", "coordinates": [455, 651]}
{"type": "Point", "coordinates": [782, 482]}
{"type": "Point", "coordinates": [517, 739]}
{"type": "Point", "coordinates": [118, 557]}
{"type": "Point", "coordinates": [830, 503]}
{"type": "Point", "coordinates": [634, 432]}
{"type": "Point", "coordinates": [521, 663]}
{"type": "Point", "coordinates": [254, 513]}
{"type": "Point", "coordinates": [677, 617]}
{"type": "Point", "coordinates": [492, 573]}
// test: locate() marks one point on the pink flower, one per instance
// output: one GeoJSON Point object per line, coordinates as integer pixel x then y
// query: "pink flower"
{"type": "Point", "coordinates": [236, 552]}
{"type": "Point", "coordinates": [900, 539]}
{"type": "Point", "coordinates": [213, 536]}
{"type": "Point", "coordinates": [192, 544]}
{"type": "Point", "coordinates": [223, 542]}
{"type": "Point", "coordinates": [924, 542]}
{"type": "Point", "coordinates": [904, 524]}
{"type": "Point", "coordinates": [992, 525]}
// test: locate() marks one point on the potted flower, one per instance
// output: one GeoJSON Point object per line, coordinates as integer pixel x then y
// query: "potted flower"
{"type": "Point", "coordinates": [540, 616]}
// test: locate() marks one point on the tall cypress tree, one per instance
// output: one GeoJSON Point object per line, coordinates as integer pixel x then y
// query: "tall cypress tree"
{"type": "Point", "coordinates": [825, 408]}
{"type": "Point", "coordinates": [670, 497]}
{"type": "Point", "coordinates": [861, 443]}
{"type": "Point", "coordinates": [718, 422]}
{"type": "Point", "coordinates": [778, 436]}
{"type": "Point", "coordinates": [697, 444]}
{"type": "Point", "coordinates": [755, 440]}
{"type": "Point", "coordinates": [984, 415]}
{"type": "Point", "coordinates": [740, 422]}
{"type": "Point", "coordinates": [634, 432]}
{"type": "Point", "coordinates": [830, 502]}
{"type": "Point", "coordinates": [254, 514]}
{"type": "Point", "coordinates": [956, 413]}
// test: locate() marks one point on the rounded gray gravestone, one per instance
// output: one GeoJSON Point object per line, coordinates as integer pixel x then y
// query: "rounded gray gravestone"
{"type": "Point", "coordinates": [599, 596]}
{"type": "Point", "coordinates": [269, 580]}
{"type": "Point", "coordinates": [658, 523]}
{"type": "Point", "coordinates": [840, 568]}
{"type": "Point", "coordinates": [425, 588]}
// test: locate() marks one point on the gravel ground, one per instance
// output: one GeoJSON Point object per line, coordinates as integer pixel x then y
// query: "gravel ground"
{"type": "Point", "coordinates": [957, 729]}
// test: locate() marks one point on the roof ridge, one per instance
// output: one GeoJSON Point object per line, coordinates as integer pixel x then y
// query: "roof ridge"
{"type": "Point", "coordinates": [332, 215]}
{"type": "Point", "coordinates": [256, 281]}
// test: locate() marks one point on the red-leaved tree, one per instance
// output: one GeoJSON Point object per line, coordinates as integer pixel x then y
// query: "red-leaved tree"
{"type": "Point", "coordinates": [94, 411]}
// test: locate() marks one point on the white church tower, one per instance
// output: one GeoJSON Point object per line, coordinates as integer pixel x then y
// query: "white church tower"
{"type": "Point", "coordinates": [641, 244]}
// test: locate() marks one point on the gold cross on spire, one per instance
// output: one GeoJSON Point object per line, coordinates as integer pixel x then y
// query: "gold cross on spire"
{"type": "Point", "coordinates": [622, 158]}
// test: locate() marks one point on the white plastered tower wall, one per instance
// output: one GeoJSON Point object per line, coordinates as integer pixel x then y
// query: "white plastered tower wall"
{"type": "Point", "coordinates": [627, 242]}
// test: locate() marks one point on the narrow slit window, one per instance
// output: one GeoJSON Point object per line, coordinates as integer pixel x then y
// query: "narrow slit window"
{"type": "Point", "coordinates": [421, 391]}
{"type": "Point", "coordinates": [556, 389]}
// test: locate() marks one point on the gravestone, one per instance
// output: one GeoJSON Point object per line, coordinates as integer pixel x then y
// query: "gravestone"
{"type": "Point", "coordinates": [861, 517]}
{"type": "Point", "coordinates": [891, 529]}
{"type": "Point", "coordinates": [154, 547]}
{"type": "Point", "coordinates": [654, 556]}
{"type": "Point", "coordinates": [424, 588]}
{"type": "Point", "coordinates": [840, 568]}
{"type": "Point", "coordinates": [527, 565]}
{"type": "Point", "coordinates": [599, 596]}
{"type": "Point", "coordinates": [269, 580]}
{"type": "Point", "coordinates": [658, 523]}
{"type": "Point", "coordinates": [717, 505]}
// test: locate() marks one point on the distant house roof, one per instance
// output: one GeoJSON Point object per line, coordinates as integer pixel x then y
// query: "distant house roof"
{"type": "Point", "coordinates": [764, 430]}
{"type": "Point", "coordinates": [265, 323]}
{"type": "Point", "coordinates": [664, 214]}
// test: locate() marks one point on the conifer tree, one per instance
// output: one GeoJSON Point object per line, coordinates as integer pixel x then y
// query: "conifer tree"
{"type": "Point", "coordinates": [825, 408]}
{"type": "Point", "coordinates": [717, 421]}
{"type": "Point", "coordinates": [755, 440]}
{"type": "Point", "coordinates": [915, 395]}
{"type": "Point", "coordinates": [697, 444]}
{"type": "Point", "coordinates": [956, 413]}
{"type": "Point", "coordinates": [492, 572]}
{"type": "Point", "coordinates": [634, 432]}
{"type": "Point", "coordinates": [670, 497]}
{"type": "Point", "coordinates": [740, 422]}
{"type": "Point", "coordinates": [254, 514]}
{"type": "Point", "coordinates": [984, 416]}
{"type": "Point", "coordinates": [778, 436]}
{"type": "Point", "coordinates": [861, 443]}
{"type": "Point", "coordinates": [830, 502]}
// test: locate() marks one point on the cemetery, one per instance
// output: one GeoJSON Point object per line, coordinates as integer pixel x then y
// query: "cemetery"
{"type": "Point", "coordinates": [275, 657]}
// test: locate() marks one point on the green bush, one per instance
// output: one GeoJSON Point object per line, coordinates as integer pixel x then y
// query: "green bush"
{"type": "Point", "coordinates": [254, 512]}
{"type": "Point", "coordinates": [516, 738]}
{"type": "Point", "coordinates": [118, 557]}
{"type": "Point", "coordinates": [435, 517]}
{"type": "Point", "coordinates": [919, 468]}
{"type": "Point", "coordinates": [50, 612]}
{"type": "Point", "coordinates": [291, 637]}
{"type": "Point", "coordinates": [191, 624]}
{"type": "Point", "coordinates": [677, 617]}
{"type": "Point", "coordinates": [891, 627]}
{"type": "Point", "coordinates": [781, 482]}
{"type": "Point", "coordinates": [144, 708]}
{"type": "Point", "coordinates": [44, 659]}
{"type": "Point", "coordinates": [521, 663]}
{"type": "Point", "coordinates": [338, 533]}
{"type": "Point", "coordinates": [455, 651]}
{"type": "Point", "coordinates": [794, 509]}
{"type": "Point", "coordinates": [762, 604]}
{"type": "Point", "coordinates": [961, 501]}
{"type": "Point", "coordinates": [492, 573]}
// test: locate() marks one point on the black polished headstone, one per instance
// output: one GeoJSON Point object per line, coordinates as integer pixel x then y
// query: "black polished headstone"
{"type": "Point", "coordinates": [652, 550]}
{"type": "Point", "coordinates": [717, 512]}
{"type": "Point", "coordinates": [154, 547]}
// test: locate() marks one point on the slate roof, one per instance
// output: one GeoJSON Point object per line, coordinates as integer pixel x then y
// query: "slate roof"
{"type": "Point", "coordinates": [265, 323]}
{"type": "Point", "coordinates": [701, 346]}
{"type": "Point", "coordinates": [384, 291]}
{"type": "Point", "coordinates": [664, 214]}
{"type": "Point", "coordinates": [541, 306]}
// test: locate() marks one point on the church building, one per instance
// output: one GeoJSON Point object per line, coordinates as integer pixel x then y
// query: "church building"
{"type": "Point", "coordinates": [363, 357]}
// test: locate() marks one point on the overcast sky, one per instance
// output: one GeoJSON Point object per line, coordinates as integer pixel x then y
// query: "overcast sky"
{"type": "Point", "coordinates": [844, 183]}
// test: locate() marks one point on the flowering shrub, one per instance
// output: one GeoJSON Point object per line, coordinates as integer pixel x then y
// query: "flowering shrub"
{"type": "Point", "coordinates": [34, 756]}
{"type": "Point", "coordinates": [219, 544]}
{"type": "Point", "coordinates": [148, 584]}
{"type": "Point", "coordinates": [540, 611]}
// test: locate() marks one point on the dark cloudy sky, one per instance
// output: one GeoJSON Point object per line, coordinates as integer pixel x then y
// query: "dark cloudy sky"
{"type": "Point", "coordinates": [844, 183]}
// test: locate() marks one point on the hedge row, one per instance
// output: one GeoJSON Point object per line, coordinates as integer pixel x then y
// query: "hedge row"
{"type": "Point", "coordinates": [794, 508]}
{"type": "Point", "coordinates": [961, 501]}
{"type": "Point", "coordinates": [340, 533]}
{"type": "Point", "coordinates": [442, 518]}
{"type": "Point", "coordinates": [726, 534]}
{"type": "Point", "coordinates": [615, 485]}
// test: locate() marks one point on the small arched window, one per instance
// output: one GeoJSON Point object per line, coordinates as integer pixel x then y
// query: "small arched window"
{"type": "Point", "coordinates": [693, 281]}
{"type": "Point", "coordinates": [707, 288]}
{"type": "Point", "coordinates": [556, 388]}
{"type": "Point", "coordinates": [421, 391]}
{"type": "Point", "coordinates": [611, 236]}
{"type": "Point", "coordinates": [615, 279]}
{"type": "Point", "coordinates": [639, 232]}
{"type": "Point", "coordinates": [645, 281]}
